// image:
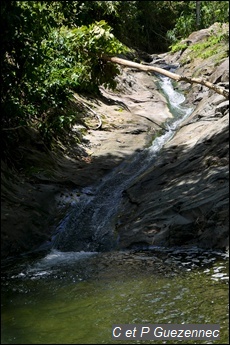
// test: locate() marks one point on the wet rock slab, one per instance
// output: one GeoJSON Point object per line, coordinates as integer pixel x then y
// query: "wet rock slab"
{"type": "Point", "coordinates": [183, 198]}
{"type": "Point", "coordinates": [31, 209]}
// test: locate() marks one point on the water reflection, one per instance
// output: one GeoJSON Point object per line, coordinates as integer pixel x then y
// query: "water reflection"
{"type": "Point", "coordinates": [77, 302]}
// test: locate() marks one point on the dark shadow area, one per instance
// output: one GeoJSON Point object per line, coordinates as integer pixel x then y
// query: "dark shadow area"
{"type": "Point", "coordinates": [182, 199]}
{"type": "Point", "coordinates": [28, 195]}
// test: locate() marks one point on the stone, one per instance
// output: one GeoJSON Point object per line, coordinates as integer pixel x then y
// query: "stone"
{"type": "Point", "coordinates": [181, 199]}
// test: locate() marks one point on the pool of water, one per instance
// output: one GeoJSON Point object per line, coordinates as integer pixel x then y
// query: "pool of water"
{"type": "Point", "coordinates": [75, 298]}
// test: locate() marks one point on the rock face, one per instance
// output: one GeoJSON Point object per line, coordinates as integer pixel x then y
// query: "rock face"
{"type": "Point", "coordinates": [181, 200]}
{"type": "Point", "coordinates": [30, 206]}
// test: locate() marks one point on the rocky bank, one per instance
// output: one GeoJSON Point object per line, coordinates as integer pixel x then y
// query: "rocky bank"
{"type": "Point", "coordinates": [184, 198]}
{"type": "Point", "coordinates": [181, 200]}
{"type": "Point", "coordinates": [36, 192]}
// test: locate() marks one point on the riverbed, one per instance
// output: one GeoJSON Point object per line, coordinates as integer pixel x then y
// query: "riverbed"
{"type": "Point", "coordinates": [75, 298]}
{"type": "Point", "coordinates": [84, 282]}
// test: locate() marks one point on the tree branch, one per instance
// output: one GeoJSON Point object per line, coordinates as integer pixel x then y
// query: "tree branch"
{"type": "Point", "coordinates": [88, 107]}
{"type": "Point", "coordinates": [222, 91]}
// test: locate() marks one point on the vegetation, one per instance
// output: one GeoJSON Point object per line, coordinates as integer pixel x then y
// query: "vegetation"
{"type": "Point", "coordinates": [210, 46]}
{"type": "Point", "coordinates": [43, 66]}
{"type": "Point", "coordinates": [206, 48]}
{"type": "Point", "coordinates": [50, 49]}
{"type": "Point", "coordinates": [210, 13]}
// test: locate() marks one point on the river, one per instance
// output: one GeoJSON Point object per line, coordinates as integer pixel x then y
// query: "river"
{"type": "Point", "coordinates": [74, 292]}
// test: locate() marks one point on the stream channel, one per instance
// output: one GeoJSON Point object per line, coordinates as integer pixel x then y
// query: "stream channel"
{"type": "Point", "coordinates": [84, 283]}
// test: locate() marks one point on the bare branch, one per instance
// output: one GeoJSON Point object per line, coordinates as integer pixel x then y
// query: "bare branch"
{"type": "Point", "coordinates": [88, 107]}
{"type": "Point", "coordinates": [222, 91]}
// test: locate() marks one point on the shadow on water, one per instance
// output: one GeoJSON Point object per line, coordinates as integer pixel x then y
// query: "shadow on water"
{"type": "Point", "coordinates": [75, 298]}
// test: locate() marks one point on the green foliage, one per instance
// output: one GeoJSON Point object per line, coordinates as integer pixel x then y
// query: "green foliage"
{"type": "Point", "coordinates": [210, 12]}
{"type": "Point", "coordinates": [211, 42]}
{"type": "Point", "coordinates": [147, 25]}
{"type": "Point", "coordinates": [49, 49]}
{"type": "Point", "coordinates": [215, 44]}
{"type": "Point", "coordinates": [138, 24]}
{"type": "Point", "coordinates": [214, 11]}
{"type": "Point", "coordinates": [43, 62]}
{"type": "Point", "coordinates": [211, 46]}
{"type": "Point", "coordinates": [178, 46]}
{"type": "Point", "coordinates": [74, 63]}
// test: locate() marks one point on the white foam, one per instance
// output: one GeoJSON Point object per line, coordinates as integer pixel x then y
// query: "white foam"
{"type": "Point", "coordinates": [55, 259]}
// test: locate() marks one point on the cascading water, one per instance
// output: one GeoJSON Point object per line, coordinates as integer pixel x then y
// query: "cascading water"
{"type": "Point", "coordinates": [75, 297]}
{"type": "Point", "coordinates": [89, 226]}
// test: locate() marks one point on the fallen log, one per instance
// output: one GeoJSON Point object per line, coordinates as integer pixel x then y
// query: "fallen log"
{"type": "Point", "coordinates": [222, 91]}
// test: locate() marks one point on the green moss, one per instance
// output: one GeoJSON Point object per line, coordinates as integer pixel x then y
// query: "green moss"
{"type": "Point", "coordinates": [210, 47]}
{"type": "Point", "coordinates": [178, 46]}
{"type": "Point", "coordinates": [119, 109]}
{"type": "Point", "coordinates": [216, 43]}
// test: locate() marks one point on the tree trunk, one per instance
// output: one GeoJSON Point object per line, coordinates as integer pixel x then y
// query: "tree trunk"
{"type": "Point", "coordinates": [198, 4]}
{"type": "Point", "coordinates": [171, 75]}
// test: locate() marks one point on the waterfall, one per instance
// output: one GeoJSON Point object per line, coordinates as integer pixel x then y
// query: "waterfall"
{"type": "Point", "coordinates": [89, 226]}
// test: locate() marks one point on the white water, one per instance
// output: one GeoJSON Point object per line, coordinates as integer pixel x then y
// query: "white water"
{"type": "Point", "coordinates": [66, 297]}
{"type": "Point", "coordinates": [89, 226]}
{"type": "Point", "coordinates": [180, 112]}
